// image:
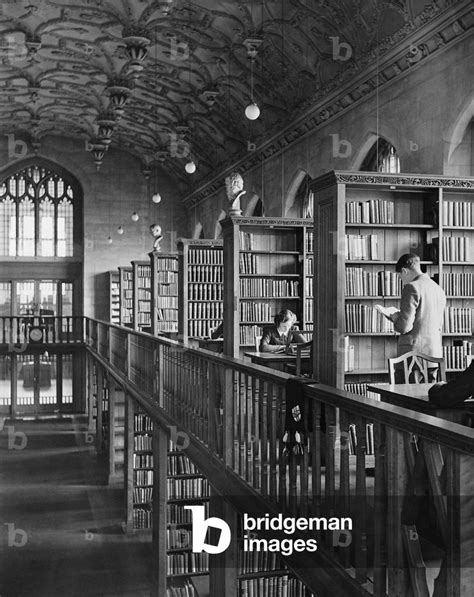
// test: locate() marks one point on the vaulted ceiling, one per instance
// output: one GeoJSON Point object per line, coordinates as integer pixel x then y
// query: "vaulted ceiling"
{"type": "Point", "coordinates": [169, 80]}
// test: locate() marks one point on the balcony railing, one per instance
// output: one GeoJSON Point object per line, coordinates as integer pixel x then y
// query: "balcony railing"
{"type": "Point", "coordinates": [415, 490]}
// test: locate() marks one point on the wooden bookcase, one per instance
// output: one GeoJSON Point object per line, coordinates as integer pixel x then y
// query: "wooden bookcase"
{"type": "Point", "coordinates": [201, 283]}
{"type": "Point", "coordinates": [126, 295]}
{"type": "Point", "coordinates": [142, 296]}
{"type": "Point", "coordinates": [113, 287]}
{"type": "Point", "coordinates": [139, 467]}
{"type": "Point", "coordinates": [164, 293]}
{"type": "Point", "coordinates": [362, 224]}
{"type": "Point", "coordinates": [266, 269]}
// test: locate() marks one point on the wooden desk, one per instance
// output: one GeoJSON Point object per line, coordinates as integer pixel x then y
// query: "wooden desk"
{"type": "Point", "coordinates": [415, 397]}
{"type": "Point", "coordinates": [274, 360]}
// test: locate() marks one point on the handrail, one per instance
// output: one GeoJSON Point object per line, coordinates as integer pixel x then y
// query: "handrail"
{"type": "Point", "coordinates": [236, 412]}
{"type": "Point", "coordinates": [16, 330]}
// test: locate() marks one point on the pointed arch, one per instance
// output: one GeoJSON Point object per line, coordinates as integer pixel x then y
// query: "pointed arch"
{"type": "Point", "coordinates": [197, 232]}
{"type": "Point", "coordinates": [218, 226]}
{"type": "Point", "coordinates": [455, 138]}
{"type": "Point", "coordinates": [296, 194]}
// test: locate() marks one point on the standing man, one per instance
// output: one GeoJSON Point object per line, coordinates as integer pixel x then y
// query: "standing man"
{"type": "Point", "coordinates": [420, 318]}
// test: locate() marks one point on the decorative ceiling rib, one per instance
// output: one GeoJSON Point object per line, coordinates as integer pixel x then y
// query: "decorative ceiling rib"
{"type": "Point", "coordinates": [169, 80]}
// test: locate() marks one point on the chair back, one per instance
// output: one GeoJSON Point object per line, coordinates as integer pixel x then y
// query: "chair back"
{"type": "Point", "coordinates": [415, 367]}
{"type": "Point", "coordinates": [469, 358]}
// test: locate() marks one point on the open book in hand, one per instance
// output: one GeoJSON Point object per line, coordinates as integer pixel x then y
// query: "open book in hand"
{"type": "Point", "coordinates": [387, 311]}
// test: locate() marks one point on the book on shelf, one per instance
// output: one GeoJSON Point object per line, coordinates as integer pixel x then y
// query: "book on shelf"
{"type": "Point", "coordinates": [366, 319]}
{"type": "Point", "coordinates": [455, 354]}
{"type": "Point", "coordinates": [348, 355]}
{"type": "Point", "coordinates": [458, 213]}
{"type": "Point", "coordinates": [457, 320]}
{"type": "Point", "coordinates": [458, 284]}
{"type": "Point", "coordinates": [361, 247]}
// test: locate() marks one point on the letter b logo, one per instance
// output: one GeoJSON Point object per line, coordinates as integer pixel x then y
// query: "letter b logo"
{"type": "Point", "coordinates": [200, 525]}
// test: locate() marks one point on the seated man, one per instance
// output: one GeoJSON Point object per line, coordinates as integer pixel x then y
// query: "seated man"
{"type": "Point", "coordinates": [277, 337]}
{"type": "Point", "coordinates": [455, 391]}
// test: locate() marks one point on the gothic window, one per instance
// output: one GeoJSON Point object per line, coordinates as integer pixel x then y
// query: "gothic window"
{"type": "Point", "coordinates": [382, 157]}
{"type": "Point", "coordinates": [36, 214]}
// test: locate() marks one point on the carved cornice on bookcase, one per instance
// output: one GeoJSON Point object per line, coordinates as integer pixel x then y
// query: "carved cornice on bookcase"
{"type": "Point", "coordinates": [260, 221]}
{"type": "Point", "coordinates": [200, 242]}
{"type": "Point", "coordinates": [433, 31]}
{"type": "Point", "coordinates": [394, 180]}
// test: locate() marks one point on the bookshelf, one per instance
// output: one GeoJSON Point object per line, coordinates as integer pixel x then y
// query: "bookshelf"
{"type": "Point", "coordinates": [139, 468]}
{"type": "Point", "coordinates": [267, 267]}
{"type": "Point", "coordinates": [142, 296]}
{"type": "Point", "coordinates": [363, 223]}
{"type": "Point", "coordinates": [113, 286]}
{"type": "Point", "coordinates": [200, 287]}
{"type": "Point", "coordinates": [164, 293]}
{"type": "Point", "coordinates": [126, 295]}
{"type": "Point", "coordinates": [116, 446]}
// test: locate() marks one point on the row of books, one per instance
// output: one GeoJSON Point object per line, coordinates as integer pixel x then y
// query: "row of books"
{"type": "Point", "coordinates": [166, 326]}
{"type": "Point", "coordinates": [205, 273]}
{"type": "Point", "coordinates": [127, 316]}
{"type": "Point", "coordinates": [143, 294]}
{"type": "Point", "coordinates": [360, 388]}
{"type": "Point", "coordinates": [455, 356]}
{"type": "Point", "coordinates": [128, 293]}
{"type": "Point", "coordinates": [348, 355]}
{"type": "Point", "coordinates": [457, 320]}
{"type": "Point", "coordinates": [359, 282]}
{"type": "Point", "coordinates": [144, 274]}
{"type": "Point", "coordinates": [187, 563]}
{"type": "Point", "coordinates": [258, 561]}
{"type": "Point", "coordinates": [246, 241]}
{"type": "Point", "coordinates": [144, 305]}
{"type": "Point", "coordinates": [127, 278]}
{"type": "Point", "coordinates": [308, 287]}
{"type": "Point", "coordinates": [365, 319]}
{"type": "Point", "coordinates": [142, 460]}
{"type": "Point", "coordinates": [255, 312]}
{"type": "Point", "coordinates": [205, 292]}
{"type": "Point", "coordinates": [255, 287]}
{"type": "Point", "coordinates": [373, 211]}
{"type": "Point", "coordinates": [142, 443]}
{"type": "Point", "coordinates": [203, 328]}
{"type": "Point", "coordinates": [179, 464]}
{"type": "Point", "coordinates": [458, 284]}
{"type": "Point", "coordinates": [127, 303]}
{"type": "Point", "coordinates": [209, 256]}
{"type": "Point", "coordinates": [309, 266]}
{"type": "Point", "coordinates": [247, 263]}
{"type": "Point", "coordinates": [169, 302]}
{"type": "Point", "coordinates": [142, 495]}
{"type": "Point", "coordinates": [458, 213]}
{"type": "Point", "coordinates": [192, 488]}
{"type": "Point", "coordinates": [142, 518]}
{"type": "Point", "coordinates": [142, 422]}
{"type": "Point", "coordinates": [168, 290]}
{"type": "Point", "coordinates": [205, 310]}
{"type": "Point", "coordinates": [273, 586]}
{"type": "Point", "coordinates": [176, 514]}
{"type": "Point", "coordinates": [456, 248]}
{"type": "Point", "coordinates": [144, 318]}
{"type": "Point", "coordinates": [166, 277]}
{"type": "Point", "coordinates": [167, 315]}
{"type": "Point", "coordinates": [361, 247]}
{"type": "Point", "coordinates": [178, 538]}
{"type": "Point", "coordinates": [166, 264]}
{"type": "Point", "coordinates": [182, 587]}
{"type": "Point", "coordinates": [248, 333]}
{"type": "Point", "coordinates": [143, 477]}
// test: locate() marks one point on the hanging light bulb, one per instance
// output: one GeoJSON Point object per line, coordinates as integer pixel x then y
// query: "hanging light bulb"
{"type": "Point", "coordinates": [135, 217]}
{"type": "Point", "coordinates": [120, 230]}
{"type": "Point", "coordinates": [110, 240]}
{"type": "Point", "coordinates": [252, 111]}
{"type": "Point", "coordinates": [156, 198]}
{"type": "Point", "coordinates": [190, 167]}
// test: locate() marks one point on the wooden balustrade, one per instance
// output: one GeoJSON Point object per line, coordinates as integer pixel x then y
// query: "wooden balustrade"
{"type": "Point", "coordinates": [234, 414]}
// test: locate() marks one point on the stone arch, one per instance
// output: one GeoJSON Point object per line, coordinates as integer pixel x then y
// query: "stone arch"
{"type": "Point", "coordinates": [458, 148]}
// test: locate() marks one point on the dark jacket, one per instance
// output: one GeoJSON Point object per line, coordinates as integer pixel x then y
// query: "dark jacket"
{"type": "Point", "coordinates": [272, 341]}
{"type": "Point", "coordinates": [455, 391]}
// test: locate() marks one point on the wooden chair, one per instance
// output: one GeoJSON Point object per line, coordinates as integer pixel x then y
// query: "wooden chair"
{"type": "Point", "coordinates": [416, 368]}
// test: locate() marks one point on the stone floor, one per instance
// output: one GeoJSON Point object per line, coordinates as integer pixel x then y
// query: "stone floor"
{"type": "Point", "coordinates": [61, 525]}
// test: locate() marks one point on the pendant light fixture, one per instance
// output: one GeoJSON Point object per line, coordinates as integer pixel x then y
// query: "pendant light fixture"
{"type": "Point", "coordinates": [252, 111]}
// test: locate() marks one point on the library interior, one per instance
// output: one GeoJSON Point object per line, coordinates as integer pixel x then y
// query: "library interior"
{"type": "Point", "coordinates": [174, 175]}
